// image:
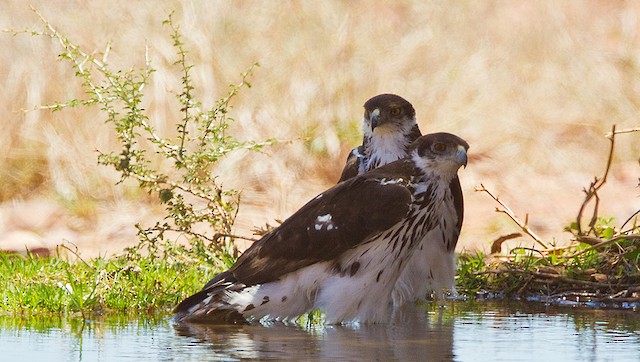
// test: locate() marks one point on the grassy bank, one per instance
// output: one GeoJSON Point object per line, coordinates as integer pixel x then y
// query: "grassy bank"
{"type": "Point", "coordinates": [604, 277]}
{"type": "Point", "coordinates": [128, 284]}
{"type": "Point", "coordinates": [133, 284]}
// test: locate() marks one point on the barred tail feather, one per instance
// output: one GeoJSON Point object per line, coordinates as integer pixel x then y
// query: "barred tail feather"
{"type": "Point", "coordinates": [209, 305]}
{"type": "Point", "coordinates": [226, 300]}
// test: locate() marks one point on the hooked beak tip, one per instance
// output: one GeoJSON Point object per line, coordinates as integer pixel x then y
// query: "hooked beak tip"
{"type": "Point", "coordinates": [374, 118]}
{"type": "Point", "coordinates": [461, 156]}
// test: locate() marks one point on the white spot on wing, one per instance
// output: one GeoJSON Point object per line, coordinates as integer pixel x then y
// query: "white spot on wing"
{"type": "Point", "coordinates": [393, 181]}
{"type": "Point", "coordinates": [324, 222]}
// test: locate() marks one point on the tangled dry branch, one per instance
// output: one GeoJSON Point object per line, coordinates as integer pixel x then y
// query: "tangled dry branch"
{"type": "Point", "coordinates": [507, 211]}
{"type": "Point", "coordinates": [601, 264]}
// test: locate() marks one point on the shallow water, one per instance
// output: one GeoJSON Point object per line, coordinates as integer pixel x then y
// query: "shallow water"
{"type": "Point", "coordinates": [459, 331]}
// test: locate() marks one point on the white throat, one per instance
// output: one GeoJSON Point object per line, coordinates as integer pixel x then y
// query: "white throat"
{"type": "Point", "coordinates": [385, 144]}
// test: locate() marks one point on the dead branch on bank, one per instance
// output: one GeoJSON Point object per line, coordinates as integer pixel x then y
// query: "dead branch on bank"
{"type": "Point", "coordinates": [592, 191]}
{"type": "Point", "coordinates": [606, 271]}
{"type": "Point", "coordinates": [507, 211]}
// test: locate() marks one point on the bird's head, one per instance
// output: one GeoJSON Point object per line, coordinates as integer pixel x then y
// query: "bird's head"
{"type": "Point", "coordinates": [387, 113]}
{"type": "Point", "coordinates": [440, 154]}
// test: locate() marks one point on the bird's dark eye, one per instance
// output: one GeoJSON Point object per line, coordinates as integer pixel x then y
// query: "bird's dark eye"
{"type": "Point", "coordinates": [367, 114]}
{"type": "Point", "coordinates": [395, 111]}
{"type": "Point", "coordinates": [439, 147]}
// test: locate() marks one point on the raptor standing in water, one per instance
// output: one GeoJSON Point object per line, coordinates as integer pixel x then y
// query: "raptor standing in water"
{"type": "Point", "coordinates": [389, 127]}
{"type": "Point", "coordinates": [343, 251]}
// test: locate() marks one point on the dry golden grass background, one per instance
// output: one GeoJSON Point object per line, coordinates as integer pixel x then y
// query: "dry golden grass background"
{"type": "Point", "coordinates": [532, 85]}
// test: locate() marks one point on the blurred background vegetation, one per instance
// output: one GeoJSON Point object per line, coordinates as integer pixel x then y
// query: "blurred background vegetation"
{"type": "Point", "coordinates": [533, 86]}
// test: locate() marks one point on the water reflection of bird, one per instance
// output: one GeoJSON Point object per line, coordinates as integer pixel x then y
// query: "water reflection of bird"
{"type": "Point", "coordinates": [411, 335]}
{"type": "Point", "coordinates": [344, 250]}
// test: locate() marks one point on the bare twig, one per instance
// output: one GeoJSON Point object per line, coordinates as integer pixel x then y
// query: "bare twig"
{"type": "Point", "coordinates": [560, 278]}
{"type": "Point", "coordinates": [532, 250]}
{"type": "Point", "coordinates": [629, 219]}
{"type": "Point", "coordinates": [591, 241]}
{"type": "Point", "coordinates": [74, 252]}
{"type": "Point", "coordinates": [592, 191]}
{"type": "Point", "coordinates": [547, 277]}
{"type": "Point", "coordinates": [496, 246]}
{"type": "Point", "coordinates": [506, 210]}
{"type": "Point", "coordinates": [630, 130]}
{"type": "Point", "coordinates": [603, 243]}
{"type": "Point", "coordinates": [557, 249]}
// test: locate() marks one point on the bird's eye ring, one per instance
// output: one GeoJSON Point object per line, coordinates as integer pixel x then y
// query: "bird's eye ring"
{"type": "Point", "coordinates": [395, 111]}
{"type": "Point", "coordinates": [439, 147]}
